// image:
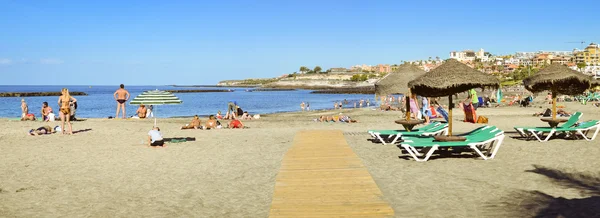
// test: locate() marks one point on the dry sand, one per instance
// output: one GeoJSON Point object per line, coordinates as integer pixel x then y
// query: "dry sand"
{"type": "Point", "coordinates": [107, 172]}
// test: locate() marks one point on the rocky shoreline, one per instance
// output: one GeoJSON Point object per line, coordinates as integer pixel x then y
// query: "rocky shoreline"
{"type": "Point", "coordinates": [35, 94]}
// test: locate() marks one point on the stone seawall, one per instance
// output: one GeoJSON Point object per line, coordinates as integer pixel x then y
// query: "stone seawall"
{"type": "Point", "coordinates": [34, 94]}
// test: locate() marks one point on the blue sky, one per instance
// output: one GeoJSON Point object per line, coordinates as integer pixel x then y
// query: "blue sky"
{"type": "Point", "coordinates": [203, 42]}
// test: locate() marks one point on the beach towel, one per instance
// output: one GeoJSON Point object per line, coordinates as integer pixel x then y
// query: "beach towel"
{"type": "Point", "coordinates": [442, 112]}
{"type": "Point", "coordinates": [470, 115]}
{"type": "Point", "coordinates": [179, 139]}
{"type": "Point", "coordinates": [433, 113]}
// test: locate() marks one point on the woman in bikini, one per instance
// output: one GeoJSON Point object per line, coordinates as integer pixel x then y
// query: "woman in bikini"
{"type": "Point", "coordinates": [65, 110]}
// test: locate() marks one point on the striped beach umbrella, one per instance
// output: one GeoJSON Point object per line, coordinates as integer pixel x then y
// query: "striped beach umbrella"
{"type": "Point", "coordinates": [155, 97]}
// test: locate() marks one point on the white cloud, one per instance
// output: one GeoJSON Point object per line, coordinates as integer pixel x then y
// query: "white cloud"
{"type": "Point", "coordinates": [51, 61]}
{"type": "Point", "coordinates": [5, 61]}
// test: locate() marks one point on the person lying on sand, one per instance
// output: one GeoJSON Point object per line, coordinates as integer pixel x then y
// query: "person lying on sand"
{"type": "Point", "coordinates": [388, 108]}
{"type": "Point", "coordinates": [194, 124]}
{"type": "Point", "coordinates": [155, 138]}
{"type": "Point", "coordinates": [246, 116]}
{"type": "Point", "coordinates": [347, 119]}
{"type": "Point", "coordinates": [41, 131]}
{"type": "Point", "coordinates": [235, 124]}
{"type": "Point", "coordinates": [548, 113]}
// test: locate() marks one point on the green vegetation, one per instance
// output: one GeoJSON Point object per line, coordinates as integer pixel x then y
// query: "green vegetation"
{"type": "Point", "coordinates": [581, 66]}
{"type": "Point", "coordinates": [359, 77]}
{"type": "Point", "coordinates": [511, 82]}
{"type": "Point", "coordinates": [256, 81]}
{"type": "Point", "coordinates": [317, 69]}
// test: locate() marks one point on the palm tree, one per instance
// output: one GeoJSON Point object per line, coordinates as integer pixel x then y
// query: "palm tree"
{"type": "Point", "coordinates": [303, 69]}
{"type": "Point", "coordinates": [317, 69]}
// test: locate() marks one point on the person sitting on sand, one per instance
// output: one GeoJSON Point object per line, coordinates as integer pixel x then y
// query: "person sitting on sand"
{"type": "Point", "coordinates": [141, 112]}
{"type": "Point", "coordinates": [219, 115]}
{"type": "Point", "coordinates": [236, 124]}
{"type": "Point", "coordinates": [211, 123]}
{"type": "Point", "coordinates": [24, 108]}
{"type": "Point", "coordinates": [42, 131]}
{"type": "Point", "coordinates": [28, 117]}
{"type": "Point", "coordinates": [194, 124]}
{"type": "Point", "coordinates": [155, 137]}
{"type": "Point", "coordinates": [246, 116]}
{"type": "Point", "coordinates": [46, 112]}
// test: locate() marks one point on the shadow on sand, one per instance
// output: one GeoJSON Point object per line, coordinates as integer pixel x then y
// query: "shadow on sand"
{"type": "Point", "coordinates": [523, 203]}
{"type": "Point", "coordinates": [81, 130]}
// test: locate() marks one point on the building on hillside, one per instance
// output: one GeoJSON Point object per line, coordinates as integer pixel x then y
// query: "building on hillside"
{"type": "Point", "coordinates": [338, 70]}
{"type": "Point", "coordinates": [590, 55]}
{"type": "Point", "coordinates": [531, 55]}
{"type": "Point", "coordinates": [512, 60]}
{"type": "Point", "coordinates": [468, 55]}
{"type": "Point", "coordinates": [542, 59]}
{"type": "Point", "coordinates": [525, 55]}
{"type": "Point", "coordinates": [561, 59]}
{"type": "Point", "coordinates": [361, 68]}
{"type": "Point", "coordinates": [510, 68]}
{"type": "Point", "coordinates": [383, 68]}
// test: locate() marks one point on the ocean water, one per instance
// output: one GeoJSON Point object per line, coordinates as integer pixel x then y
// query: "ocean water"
{"type": "Point", "coordinates": [100, 102]}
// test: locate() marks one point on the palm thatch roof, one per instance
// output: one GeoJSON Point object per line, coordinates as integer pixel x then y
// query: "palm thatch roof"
{"type": "Point", "coordinates": [397, 82]}
{"type": "Point", "coordinates": [450, 78]}
{"type": "Point", "coordinates": [558, 78]}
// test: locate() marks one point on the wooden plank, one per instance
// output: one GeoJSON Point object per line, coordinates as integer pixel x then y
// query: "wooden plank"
{"type": "Point", "coordinates": [321, 176]}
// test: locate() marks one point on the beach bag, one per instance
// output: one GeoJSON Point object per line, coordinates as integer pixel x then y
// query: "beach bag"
{"type": "Point", "coordinates": [482, 119]}
{"type": "Point", "coordinates": [470, 113]}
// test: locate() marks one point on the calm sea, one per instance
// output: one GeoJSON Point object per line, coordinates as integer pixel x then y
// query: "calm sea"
{"type": "Point", "coordinates": [100, 102]}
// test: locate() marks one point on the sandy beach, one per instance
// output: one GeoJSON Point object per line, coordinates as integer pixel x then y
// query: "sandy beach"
{"type": "Point", "coordinates": [104, 170]}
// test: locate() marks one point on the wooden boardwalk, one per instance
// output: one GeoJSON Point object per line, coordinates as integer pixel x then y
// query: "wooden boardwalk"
{"type": "Point", "coordinates": [321, 176]}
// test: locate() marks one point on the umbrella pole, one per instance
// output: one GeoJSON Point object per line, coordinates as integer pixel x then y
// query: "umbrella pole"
{"type": "Point", "coordinates": [450, 115]}
{"type": "Point", "coordinates": [154, 119]}
{"type": "Point", "coordinates": [553, 105]}
{"type": "Point", "coordinates": [408, 106]}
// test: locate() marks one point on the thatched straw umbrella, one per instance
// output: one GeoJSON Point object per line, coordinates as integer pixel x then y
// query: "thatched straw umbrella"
{"type": "Point", "coordinates": [451, 78]}
{"type": "Point", "coordinates": [397, 82]}
{"type": "Point", "coordinates": [559, 79]}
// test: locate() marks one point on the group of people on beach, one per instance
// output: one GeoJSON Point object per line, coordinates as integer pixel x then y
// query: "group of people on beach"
{"type": "Point", "coordinates": [305, 106]}
{"type": "Point", "coordinates": [67, 105]}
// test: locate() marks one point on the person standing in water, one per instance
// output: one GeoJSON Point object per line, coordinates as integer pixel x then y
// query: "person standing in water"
{"type": "Point", "coordinates": [65, 109]}
{"type": "Point", "coordinates": [121, 96]}
{"type": "Point", "coordinates": [302, 105]}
